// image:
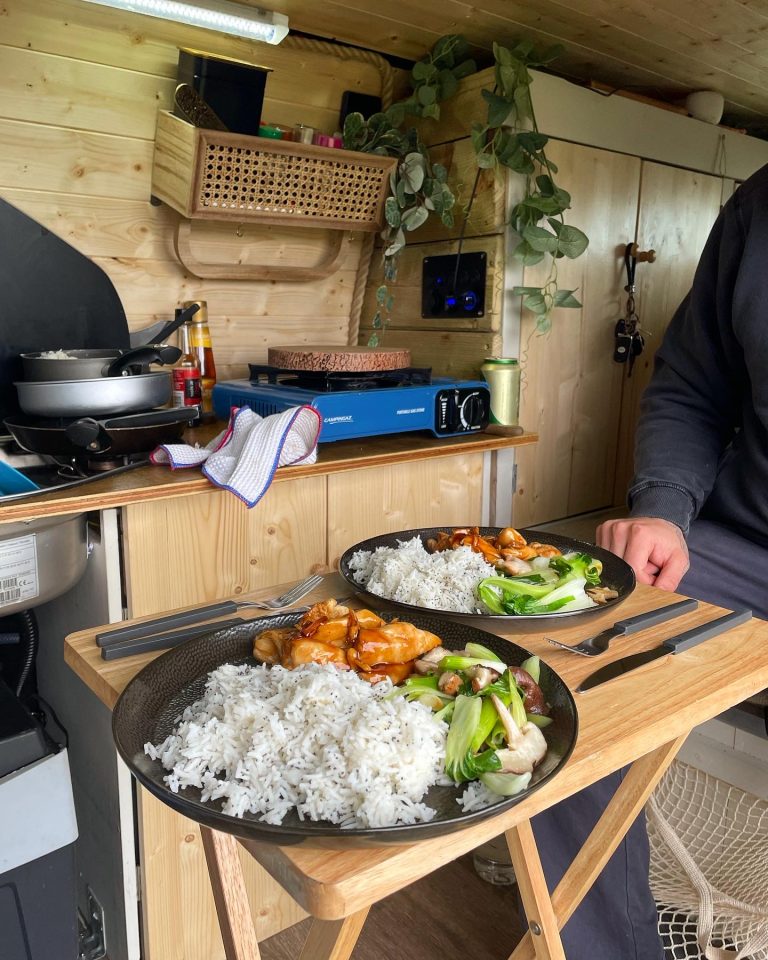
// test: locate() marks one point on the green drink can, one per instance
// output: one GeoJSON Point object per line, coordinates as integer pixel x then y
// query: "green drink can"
{"type": "Point", "coordinates": [502, 374]}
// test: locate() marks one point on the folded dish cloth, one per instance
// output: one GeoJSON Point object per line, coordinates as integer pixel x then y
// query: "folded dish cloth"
{"type": "Point", "coordinates": [243, 458]}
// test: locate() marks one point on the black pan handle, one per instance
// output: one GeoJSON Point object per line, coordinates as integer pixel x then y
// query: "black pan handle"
{"type": "Point", "coordinates": [139, 359]}
{"type": "Point", "coordinates": [88, 434]}
{"type": "Point", "coordinates": [173, 325]}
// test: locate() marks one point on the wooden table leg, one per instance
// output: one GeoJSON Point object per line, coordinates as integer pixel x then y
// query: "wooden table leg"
{"type": "Point", "coordinates": [542, 922]}
{"type": "Point", "coordinates": [232, 907]}
{"type": "Point", "coordinates": [625, 805]}
{"type": "Point", "coordinates": [334, 939]}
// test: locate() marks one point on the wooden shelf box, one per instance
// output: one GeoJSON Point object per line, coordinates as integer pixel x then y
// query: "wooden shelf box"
{"type": "Point", "coordinates": [210, 175]}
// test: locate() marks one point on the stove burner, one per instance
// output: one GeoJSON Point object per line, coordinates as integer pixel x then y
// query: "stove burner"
{"type": "Point", "coordinates": [329, 381]}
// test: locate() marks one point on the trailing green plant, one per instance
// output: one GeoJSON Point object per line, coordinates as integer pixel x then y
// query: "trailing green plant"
{"type": "Point", "coordinates": [511, 138]}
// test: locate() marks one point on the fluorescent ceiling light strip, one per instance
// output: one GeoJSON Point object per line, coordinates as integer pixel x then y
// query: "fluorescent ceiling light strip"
{"type": "Point", "coordinates": [232, 18]}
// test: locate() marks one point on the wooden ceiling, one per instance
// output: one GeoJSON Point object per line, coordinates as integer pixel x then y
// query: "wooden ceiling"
{"type": "Point", "coordinates": [663, 48]}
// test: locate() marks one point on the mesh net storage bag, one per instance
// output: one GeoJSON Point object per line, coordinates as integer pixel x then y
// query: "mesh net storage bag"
{"type": "Point", "coordinates": [709, 867]}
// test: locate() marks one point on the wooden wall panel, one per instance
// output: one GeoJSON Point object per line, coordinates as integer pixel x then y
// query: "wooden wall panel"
{"type": "Point", "coordinates": [80, 87]}
{"type": "Point", "coordinates": [406, 311]}
{"type": "Point", "coordinates": [449, 354]}
{"type": "Point", "coordinates": [677, 210]}
{"type": "Point", "coordinates": [572, 388]}
{"type": "Point", "coordinates": [488, 211]}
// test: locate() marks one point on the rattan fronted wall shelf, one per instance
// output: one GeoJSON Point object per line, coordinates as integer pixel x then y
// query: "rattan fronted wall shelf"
{"type": "Point", "coordinates": [211, 175]}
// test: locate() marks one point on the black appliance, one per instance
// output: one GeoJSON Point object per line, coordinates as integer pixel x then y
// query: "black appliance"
{"type": "Point", "coordinates": [50, 295]}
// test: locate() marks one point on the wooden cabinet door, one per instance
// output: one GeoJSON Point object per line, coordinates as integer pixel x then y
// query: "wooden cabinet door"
{"type": "Point", "coordinates": [571, 392]}
{"type": "Point", "coordinates": [677, 210]}
{"type": "Point", "coordinates": [384, 499]}
{"type": "Point", "coordinates": [582, 404]}
{"type": "Point", "coordinates": [209, 546]}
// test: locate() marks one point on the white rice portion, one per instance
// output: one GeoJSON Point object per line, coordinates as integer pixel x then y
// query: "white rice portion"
{"type": "Point", "coordinates": [55, 355]}
{"type": "Point", "coordinates": [317, 739]}
{"type": "Point", "coordinates": [446, 580]}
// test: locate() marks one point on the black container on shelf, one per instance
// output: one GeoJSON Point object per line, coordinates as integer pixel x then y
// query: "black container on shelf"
{"type": "Point", "coordinates": [233, 89]}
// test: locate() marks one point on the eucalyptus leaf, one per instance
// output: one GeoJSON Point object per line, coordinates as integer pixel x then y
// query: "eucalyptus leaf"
{"type": "Point", "coordinates": [523, 291]}
{"type": "Point", "coordinates": [376, 322]}
{"type": "Point", "coordinates": [447, 218]}
{"type": "Point", "coordinates": [414, 218]}
{"type": "Point", "coordinates": [426, 95]}
{"type": "Point", "coordinates": [448, 84]}
{"type": "Point", "coordinates": [464, 69]}
{"type": "Point", "coordinates": [498, 108]}
{"type": "Point", "coordinates": [423, 70]}
{"type": "Point", "coordinates": [532, 141]}
{"type": "Point", "coordinates": [396, 244]}
{"type": "Point", "coordinates": [486, 160]}
{"type": "Point", "coordinates": [381, 294]}
{"type": "Point", "coordinates": [540, 239]}
{"type": "Point", "coordinates": [535, 302]}
{"type": "Point", "coordinates": [565, 298]}
{"type": "Point", "coordinates": [571, 241]}
{"type": "Point", "coordinates": [525, 253]}
{"type": "Point", "coordinates": [439, 172]}
{"type": "Point", "coordinates": [392, 212]}
{"type": "Point", "coordinates": [431, 111]}
{"type": "Point", "coordinates": [373, 340]}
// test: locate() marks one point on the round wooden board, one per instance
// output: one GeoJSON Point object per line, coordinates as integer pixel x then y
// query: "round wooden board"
{"type": "Point", "coordinates": [338, 359]}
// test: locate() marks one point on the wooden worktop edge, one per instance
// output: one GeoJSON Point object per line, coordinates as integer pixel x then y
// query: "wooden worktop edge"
{"type": "Point", "coordinates": [160, 483]}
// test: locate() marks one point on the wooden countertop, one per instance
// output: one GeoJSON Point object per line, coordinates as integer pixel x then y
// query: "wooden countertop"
{"type": "Point", "coordinates": [161, 483]}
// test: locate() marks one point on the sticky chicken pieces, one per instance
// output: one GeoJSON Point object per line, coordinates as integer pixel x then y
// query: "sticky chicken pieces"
{"type": "Point", "coordinates": [350, 639]}
{"type": "Point", "coordinates": [508, 551]}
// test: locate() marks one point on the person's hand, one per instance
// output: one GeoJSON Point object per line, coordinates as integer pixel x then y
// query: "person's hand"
{"type": "Point", "coordinates": [654, 548]}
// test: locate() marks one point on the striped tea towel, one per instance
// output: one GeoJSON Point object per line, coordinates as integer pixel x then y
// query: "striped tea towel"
{"type": "Point", "coordinates": [243, 458]}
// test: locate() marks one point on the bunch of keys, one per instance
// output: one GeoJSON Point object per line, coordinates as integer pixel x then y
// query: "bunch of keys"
{"type": "Point", "coordinates": [629, 342]}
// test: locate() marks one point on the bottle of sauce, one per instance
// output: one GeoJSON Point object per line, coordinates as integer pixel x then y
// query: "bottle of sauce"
{"type": "Point", "coordinates": [187, 386]}
{"type": "Point", "coordinates": [200, 343]}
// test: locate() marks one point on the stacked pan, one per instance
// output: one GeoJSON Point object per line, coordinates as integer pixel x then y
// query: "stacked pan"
{"type": "Point", "coordinates": [99, 401]}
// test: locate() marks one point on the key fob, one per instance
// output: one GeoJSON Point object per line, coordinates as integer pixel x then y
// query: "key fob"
{"type": "Point", "coordinates": [622, 343]}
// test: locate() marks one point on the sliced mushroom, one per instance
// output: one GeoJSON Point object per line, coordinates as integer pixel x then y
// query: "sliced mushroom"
{"type": "Point", "coordinates": [429, 662]}
{"type": "Point", "coordinates": [449, 683]}
{"type": "Point", "coordinates": [481, 677]}
{"type": "Point", "coordinates": [601, 594]}
{"type": "Point", "coordinates": [526, 746]}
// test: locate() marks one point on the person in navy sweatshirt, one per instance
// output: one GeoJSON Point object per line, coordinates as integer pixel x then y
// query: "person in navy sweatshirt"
{"type": "Point", "coordinates": [698, 525]}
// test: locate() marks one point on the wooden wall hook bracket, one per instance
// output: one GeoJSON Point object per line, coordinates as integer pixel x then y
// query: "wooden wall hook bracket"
{"type": "Point", "coordinates": [642, 256]}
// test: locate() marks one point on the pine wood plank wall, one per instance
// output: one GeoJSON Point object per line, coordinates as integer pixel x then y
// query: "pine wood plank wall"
{"type": "Point", "coordinates": [80, 87]}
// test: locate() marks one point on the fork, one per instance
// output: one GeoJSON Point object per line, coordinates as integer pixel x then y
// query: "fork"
{"type": "Point", "coordinates": [149, 627]}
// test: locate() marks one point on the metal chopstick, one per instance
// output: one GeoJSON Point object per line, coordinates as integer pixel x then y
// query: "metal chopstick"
{"type": "Point", "coordinates": [167, 640]}
{"type": "Point", "coordinates": [157, 624]}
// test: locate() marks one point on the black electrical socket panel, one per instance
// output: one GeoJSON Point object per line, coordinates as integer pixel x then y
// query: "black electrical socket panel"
{"type": "Point", "coordinates": [448, 291]}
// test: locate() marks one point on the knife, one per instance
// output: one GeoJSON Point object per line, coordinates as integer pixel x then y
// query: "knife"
{"type": "Point", "coordinates": [683, 641]}
{"type": "Point", "coordinates": [622, 628]}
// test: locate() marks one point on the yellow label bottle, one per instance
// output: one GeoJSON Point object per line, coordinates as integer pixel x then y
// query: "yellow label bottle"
{"type": "Point", "coordinates": [202, 348]}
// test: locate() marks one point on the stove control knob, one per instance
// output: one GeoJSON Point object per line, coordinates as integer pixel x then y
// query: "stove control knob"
{"type": "Point", "coordinates": [473, 411]}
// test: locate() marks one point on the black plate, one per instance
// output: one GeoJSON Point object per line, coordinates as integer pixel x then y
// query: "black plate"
{"type": "Point", "coordinates": [616, 574]}
{"type": "Point", "coordinates": [152, 702]}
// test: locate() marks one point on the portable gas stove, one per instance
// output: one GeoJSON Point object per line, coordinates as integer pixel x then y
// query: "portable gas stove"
{"type": "Point", "coordinates": [363, 404]}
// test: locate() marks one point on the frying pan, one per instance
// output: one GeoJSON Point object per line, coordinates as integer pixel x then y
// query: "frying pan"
{"type": "Point", "coordinates": [104, 362]}
{"type": "Point", "coordinates": [102, 396]}
{"type": "Point", "coordinates": [117, 435]}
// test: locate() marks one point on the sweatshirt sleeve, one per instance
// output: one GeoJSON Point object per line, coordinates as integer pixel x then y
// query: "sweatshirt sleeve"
{"type": "Point", "coordinates": [692, 406]}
